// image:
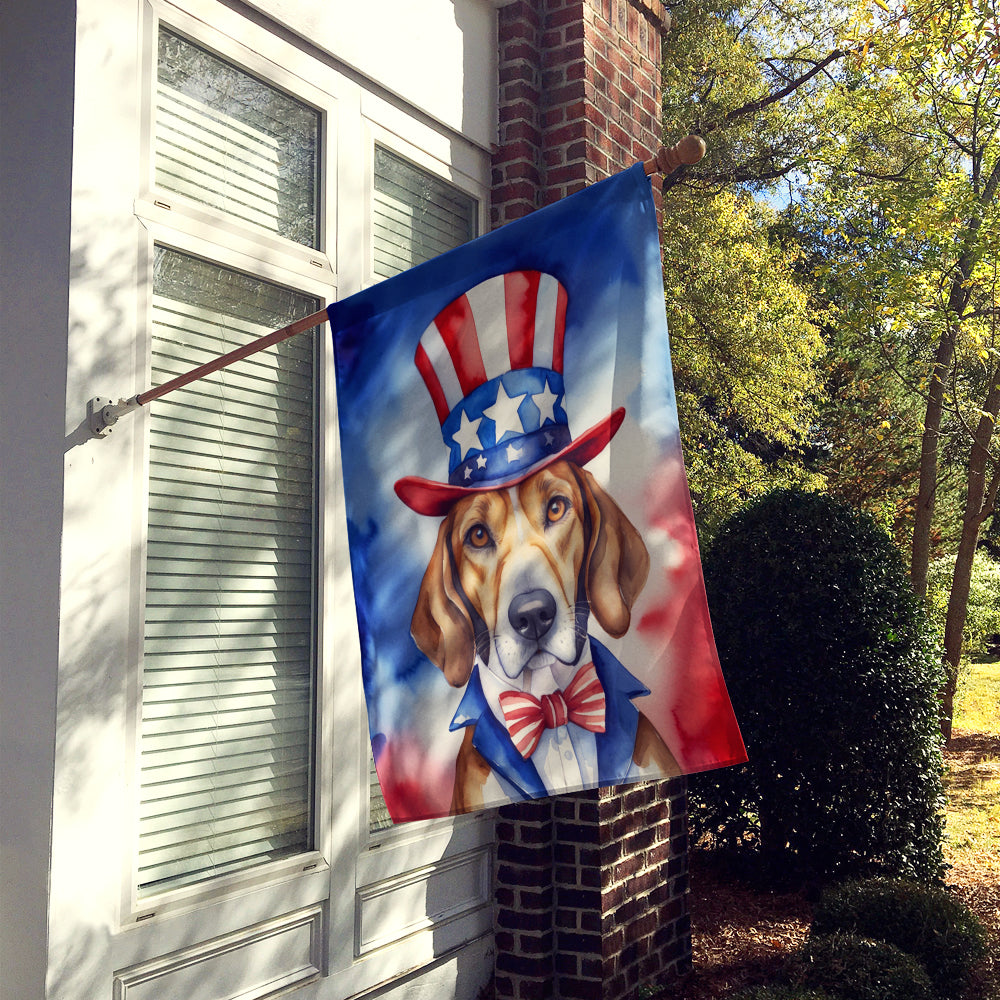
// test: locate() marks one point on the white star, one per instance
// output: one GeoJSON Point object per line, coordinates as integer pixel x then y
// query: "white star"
{"type": "Point", "coordinates": [481, 462]}
{"type": "Point", "coordinates": [546, 403]}
{"type": "Point", "coordinates": [468, 473]}
{"type": "Point", "coordinates": [467, 436]}
{"type": "Point", "coordinates": [513, 453]}
{"type": "Point", "coordinates": [504, 413]}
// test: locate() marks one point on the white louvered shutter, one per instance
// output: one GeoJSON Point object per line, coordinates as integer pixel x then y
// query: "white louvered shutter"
{"type": "Point", "coordinates": [416, 216]}
{"type": "Point", "coordinates": [228, 688]}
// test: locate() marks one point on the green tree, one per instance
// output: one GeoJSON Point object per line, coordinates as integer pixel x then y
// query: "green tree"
{"type": "Point", "coordinates": [879, 122]}
{"type": "Point", "coordinates": [747, 77]}
{"type": "Point", "coordinates": [982, 620]}
{"type": "Point", "coordinates": [869, 426]}
{"type": "Point", "coordinates": [912, 192]}
{"type": "Point", "coordinates": [747, 357]}
{"type": "Point", "coordinates": [747, 353]}
{"type": "Point", "coordinates": [867, 433]}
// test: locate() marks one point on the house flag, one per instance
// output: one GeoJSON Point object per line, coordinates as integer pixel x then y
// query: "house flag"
{"type": "Point", "coordinates": [526, 573]}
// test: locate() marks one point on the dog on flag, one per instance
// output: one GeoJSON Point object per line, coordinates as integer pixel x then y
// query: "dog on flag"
{"type": "Point", "coordinates": [529, 547]}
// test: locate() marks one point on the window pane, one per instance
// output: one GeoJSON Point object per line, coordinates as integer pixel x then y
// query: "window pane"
{"type": "Point", "coordinates": [228, 140]}
{"type": "Point", "coordinates": [228, 662]}
{"type": "Point", "coordinates": [416, 217]}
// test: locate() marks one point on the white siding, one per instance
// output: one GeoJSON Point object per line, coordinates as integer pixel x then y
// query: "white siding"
{"type": "Point", "coordinates": [76, 299]}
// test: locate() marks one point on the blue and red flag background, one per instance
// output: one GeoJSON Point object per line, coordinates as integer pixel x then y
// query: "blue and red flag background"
{"type": "Point", "coordinates": [507, 355]}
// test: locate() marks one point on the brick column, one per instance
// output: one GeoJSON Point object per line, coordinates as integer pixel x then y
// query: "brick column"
{"type": "Point", "coordinates": [524, 901]}
{"type": "Point", "coordinates": [579, 96]}
{"type": "Point", "coordinates": [591, 889]}
{"type": "Point", "coordinates": [591, 893]}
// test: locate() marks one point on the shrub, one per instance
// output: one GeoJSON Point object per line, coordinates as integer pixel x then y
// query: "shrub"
{"type": "Point", "coordinates": [856, 968]}
{"type": "Point", "coordinates": [833, 673]}
{"type": "Point", "coordinates": [925, 922]}
{"type": "Point", "coordinates": [782, 993]}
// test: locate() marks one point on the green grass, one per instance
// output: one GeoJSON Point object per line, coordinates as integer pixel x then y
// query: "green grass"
{"type": "Point", "coordinates": [973, 784]}
{"type": "Point", "coordinates": [977, 703]}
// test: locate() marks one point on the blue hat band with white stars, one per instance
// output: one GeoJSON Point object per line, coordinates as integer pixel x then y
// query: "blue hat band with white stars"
{"type": "Point", "coordinates": [505, 426]}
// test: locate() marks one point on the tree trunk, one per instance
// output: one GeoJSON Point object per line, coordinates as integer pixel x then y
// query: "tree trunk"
{"type": "Point", "coordinates": [920, 553]}
{"type": "Point", "coordinates": [958, 300]}
{"type": "Point", "coordinates": [980, 499]}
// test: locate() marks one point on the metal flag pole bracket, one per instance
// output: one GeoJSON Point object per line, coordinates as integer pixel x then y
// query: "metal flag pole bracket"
{"type": "Point", "coordinates": [103, 413]}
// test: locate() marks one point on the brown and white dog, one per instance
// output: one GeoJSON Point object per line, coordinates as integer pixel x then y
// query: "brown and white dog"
{"type": "Point", "coordinates": [514, 577]}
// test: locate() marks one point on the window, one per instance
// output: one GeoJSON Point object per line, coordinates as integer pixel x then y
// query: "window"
{"type": "Point", "coordinates": [416, 216]}
{"type": "Point", "coordinates": [229, 646]}
{"type": "Point", "coordinates": [210, 835]}
{"type": "Point", "coordinates": [228, 686]}
{"type": "Point", "coordinates": [230, 141]}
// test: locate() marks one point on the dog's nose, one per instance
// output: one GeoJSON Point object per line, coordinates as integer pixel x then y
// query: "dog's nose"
{"type": "Point", "coordinates": [532, 613]}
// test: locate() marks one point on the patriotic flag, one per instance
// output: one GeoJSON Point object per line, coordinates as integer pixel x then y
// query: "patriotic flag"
{"type": "Point", "coordinates": [526, 572]}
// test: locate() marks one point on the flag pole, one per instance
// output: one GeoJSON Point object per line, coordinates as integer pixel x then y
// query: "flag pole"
{"type": "Point", "coordinates": [103, 413]}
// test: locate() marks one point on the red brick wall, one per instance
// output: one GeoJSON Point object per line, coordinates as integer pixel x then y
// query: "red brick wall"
{"type": "Point", "coordinates": [579, 96]}
{"type": "Point", "coordinates": [591, 889]}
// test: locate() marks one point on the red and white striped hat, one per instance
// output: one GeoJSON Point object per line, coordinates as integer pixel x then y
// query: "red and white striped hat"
{"type": "Point", "coordinates": [492, 361]}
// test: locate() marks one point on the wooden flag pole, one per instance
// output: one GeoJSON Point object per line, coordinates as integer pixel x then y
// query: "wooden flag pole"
{"type": "Point", "coordinates": [260, 344]}
{"type": "Point", "coordinates": [103, 413]}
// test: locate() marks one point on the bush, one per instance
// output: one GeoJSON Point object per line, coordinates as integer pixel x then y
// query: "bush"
{"type": "Point", "coordinates": [927, 923]}
{"type": "Point", "coordinates": [782, 993]}
{"type": "Point", "coordinates": [855, 968]}
{"type": "Point", "coordinates": [833, 673]}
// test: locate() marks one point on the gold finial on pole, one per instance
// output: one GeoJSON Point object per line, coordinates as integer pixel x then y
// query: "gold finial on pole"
{"type": "Point", "coordinates": [688, 151]}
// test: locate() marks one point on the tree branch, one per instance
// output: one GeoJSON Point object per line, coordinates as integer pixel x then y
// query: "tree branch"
{"type": "Point", "coordinates": [899, 176]}
{"type": "Point", "coordinates": [724, 178]}
{"type": "Point", "coordinates": [754, 106]}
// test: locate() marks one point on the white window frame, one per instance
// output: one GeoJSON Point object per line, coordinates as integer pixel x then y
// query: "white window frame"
{"type": "Point", "coordinates": [385, 126]}
{"type": "Point", "coordinates": [350, 872]}
{"type": "Point", "coordinates": [389, 860]}
{"type": "Point", "coordinates": [195, 244]}
{"type": "Point", "coordinates": [177, 223]}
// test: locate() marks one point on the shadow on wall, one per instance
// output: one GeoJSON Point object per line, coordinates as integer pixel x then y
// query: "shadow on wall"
{"type": "Point", "coordinates": [95, 702]}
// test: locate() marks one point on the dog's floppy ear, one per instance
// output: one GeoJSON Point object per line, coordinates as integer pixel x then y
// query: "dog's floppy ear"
{"type": "Point", "coordinates": [441, 627]}
{"type": "Point", "coordinates": [617, 564]}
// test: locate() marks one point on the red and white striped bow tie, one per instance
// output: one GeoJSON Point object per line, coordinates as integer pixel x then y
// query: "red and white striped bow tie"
{"type": "Point", "coordinates": [527, 717]}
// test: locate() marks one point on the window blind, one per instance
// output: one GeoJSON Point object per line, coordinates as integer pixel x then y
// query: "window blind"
{"type": "Point", "coordinates": [228, 140]}
{"type": "Point", "coordinates": [228, 654]}
{"type": "Point", "coordinates": [416, 216]}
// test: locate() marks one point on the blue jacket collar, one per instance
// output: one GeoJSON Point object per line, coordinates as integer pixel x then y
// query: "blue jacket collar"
{"type": "Point", "coordinates": [614, 746]}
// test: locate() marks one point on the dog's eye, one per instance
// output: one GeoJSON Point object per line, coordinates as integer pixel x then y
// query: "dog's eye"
{"type": "Point", "coordinates": [478, 536]}
{"type": "Point", "coordinates": [557, 509]}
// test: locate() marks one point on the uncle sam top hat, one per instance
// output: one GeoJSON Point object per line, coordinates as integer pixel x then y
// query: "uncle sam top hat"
{"type": "Point", "coordinates": [492, 361]}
